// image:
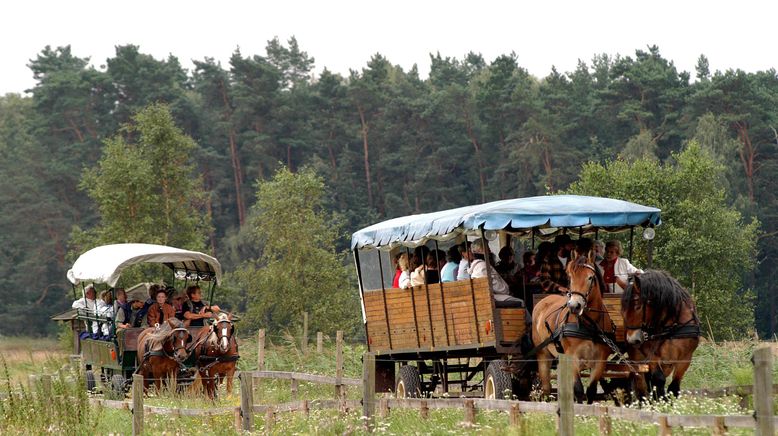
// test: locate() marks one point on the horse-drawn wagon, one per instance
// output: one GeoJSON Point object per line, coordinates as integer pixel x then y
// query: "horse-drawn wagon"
{"type": "Point", "coordinates": [454, 338]}
{"type": "Point", "coordinates": [115, 354]}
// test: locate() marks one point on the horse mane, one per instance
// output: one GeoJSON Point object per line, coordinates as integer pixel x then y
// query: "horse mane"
{"type": "Point", "coordinates": [586, 260]}
{"type": "Point", "coordinates": [158, 337]}
{"type": "Point", "coordinates": [664, 292]}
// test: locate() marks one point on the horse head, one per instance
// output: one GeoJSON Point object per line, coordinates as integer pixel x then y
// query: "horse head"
{"type": "Point", "coordinates": [652, 300]}
{"type": "Point", "coordinates": [584, 284]}
{"type": "Point", "coordinates": [178, 340]}
{"type": "Point", "coordinates": [224, 329]}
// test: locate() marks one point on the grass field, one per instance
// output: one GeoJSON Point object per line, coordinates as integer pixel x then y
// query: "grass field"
{"type": "Point", "coordinates": [26, 411]}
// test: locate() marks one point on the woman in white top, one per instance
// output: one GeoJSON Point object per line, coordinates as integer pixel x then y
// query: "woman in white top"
{"type": "Point", "coordinates": [616, 269]}
{"type": "Point", "coordinates": [405, 275]}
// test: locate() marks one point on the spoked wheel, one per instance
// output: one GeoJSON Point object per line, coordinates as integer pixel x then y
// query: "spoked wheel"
{"type": "Point", "coordinates": [90, 381]}
{"type": "Point", "coordinates": [498, 384]}
{"type": "Point", "coordinates": [116, 391]}
{"type": "Point", "coordinates": [409, 382]}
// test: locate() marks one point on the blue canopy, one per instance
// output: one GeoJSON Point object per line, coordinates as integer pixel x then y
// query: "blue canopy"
{"type": "Point", "coordinates": [516, 215]}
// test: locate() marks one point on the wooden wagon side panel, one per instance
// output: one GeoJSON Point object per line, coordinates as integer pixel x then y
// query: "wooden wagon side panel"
{"type": "Point", "coordinates": [513, 324]}
{"type": "Point", "coordinates": [612, 304]}
{"type": "Point", "coordinates": [461, 321]}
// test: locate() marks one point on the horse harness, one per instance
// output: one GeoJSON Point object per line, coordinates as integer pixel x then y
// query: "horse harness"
{"type": "Point", "coordinates": [212, 360]}
{"type": "Point", "coordinates": [676, 330]}
{"type": "Point", "coordinates": [161, 352]}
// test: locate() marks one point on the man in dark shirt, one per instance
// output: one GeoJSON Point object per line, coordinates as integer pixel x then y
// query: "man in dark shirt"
{"type": "Point", "coordinates": [196, 310]}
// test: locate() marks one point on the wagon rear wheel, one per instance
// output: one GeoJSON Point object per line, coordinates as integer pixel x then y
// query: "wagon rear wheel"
{"type": "Point", "coordinates": [498, 384]}
{"type": "Point", "coordinates": [116, 390]}
{"type": "Point", "coordinates": [409, 382]}
{"type": "Point", "coordinates": [90, 381]}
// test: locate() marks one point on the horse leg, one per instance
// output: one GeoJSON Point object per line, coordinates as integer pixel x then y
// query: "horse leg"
{"type": "Point", "coordinates": [230, 374]}
{"type": "Point", "coordinates": [596, 374]}
{"type": "Point", "coordinates": [678, 373]}
{"type": "Point", "coordinates": [544, 371]}
{"type": "Point", "coordinates": [578, 389]}
{"type": "Point", "coordinates": [658, 380]}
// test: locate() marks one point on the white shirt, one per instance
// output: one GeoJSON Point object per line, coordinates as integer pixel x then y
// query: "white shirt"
{"type": "Point", "coordinates": [405, 280]}
{"type": "Point", "coordinates": [462, 272]}
{"type": "Point", "coordinates": [499, 287]}
{"type": "Point", "coordinates": [622, 269]}
{"type": "Point", "coordinates": [563, 260]}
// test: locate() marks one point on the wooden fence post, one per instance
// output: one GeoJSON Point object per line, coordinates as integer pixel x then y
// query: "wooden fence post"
{"type": "Point", "coordinates": [383, 408]}
{"type": "Point", "coordinates": [339, 394]}
{"type": "Point", "coordinates": [319, 342]}
{"type": "Point", "coordinates": [137, 404]}
{"type": "Point", "coordinates": [246, 400]}
{"type": "Point", "coordinates": [32, 381]}
{"type": "Point", "coordinates": [469, 412]}
{"type": "Point", "coordinates": [565, 395]}
{"type": "Point", "coordinates": [605, 420]}
{"type": "Point", "coordinates": [368, 389]}
{"type": "Point", "coordinates": [763, 390]}
{"type": "Point", "coordinates": [664, 427]}
{"type": "Point", "coordinates": [304, 341]}
{"type": "Point", "coordinates": [516, 418]}
{"type": "Point", "coordinates": [294, 388]}
{"type": "Point", "coordinates": [238, 420]}
{"type": "Point", "coordinates": [719, 428]}
{"type": "Point", "coordinates": [261, 350]}
{"type": "Point", "coordinates": [46, 385]}
{"type": "Point", "coordinates": [424, 410]}
{"type": "Point", "coordinates": [270, 419]}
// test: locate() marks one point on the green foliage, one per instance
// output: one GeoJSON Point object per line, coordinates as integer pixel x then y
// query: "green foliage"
{"type": "Point", "coordinates": [298, 268]}
{"type": "Point", "coordinates": [146, 190]}
{"type": "Point", "coordinates": [703, 242]}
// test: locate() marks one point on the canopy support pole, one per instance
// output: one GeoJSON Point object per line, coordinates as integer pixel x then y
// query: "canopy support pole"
{"type": "Point", "coordinates": [442, 298]}
{"type": "Point", "coordinates": [361, 291]}
{"type": "Point", "coordinates": [533, 238]}
{"type": "Point", "coordinates": [427, 291]}
{"type": "Point", "coordinates": [383, 294]}
{"type": "Point", "coordinates": [489, 272]}
{"type": "Point", "coordinates": [631, 236]}
{"type": "Point", "coordinates": [413, 303]}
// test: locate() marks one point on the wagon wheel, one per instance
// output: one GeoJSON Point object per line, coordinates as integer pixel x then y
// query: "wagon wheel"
{"type": "Point", "coordinates": [116, 387]}
{"type": "Point", "coordinates": [90, 381]}
{"type": "Point", "coordinates": [497, 382]}
{"type": "Point", "coordinates": [409, 382]}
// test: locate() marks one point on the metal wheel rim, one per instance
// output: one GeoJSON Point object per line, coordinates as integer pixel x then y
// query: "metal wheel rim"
{"type": "Point", "coordinates": [400, 389]}
{"type": "Point", "coordinates": [489, 388]}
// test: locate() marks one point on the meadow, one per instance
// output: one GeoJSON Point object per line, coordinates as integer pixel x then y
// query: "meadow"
{"type": "Point", "coordinates": [27, 410]}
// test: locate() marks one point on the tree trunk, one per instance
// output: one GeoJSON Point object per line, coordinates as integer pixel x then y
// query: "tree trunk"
{"type": "Point", "coordinates": [747, 154]}
{"type": "Point", "coordinates": [477, 147]}
{"type": "Point", "coordinates": [235, 158]}
{"type": "Point", "coordinates": [366, 148]}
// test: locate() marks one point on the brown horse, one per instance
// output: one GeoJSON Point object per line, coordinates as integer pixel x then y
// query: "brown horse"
{"type": "Point", "coordinates": [162, 351]}
{"type": "Point", "coordinates": [573, 324]}
{"type": "Point", "coordinates": [662, 326]}
{"type": "Point", "coordinates": [216, 354]}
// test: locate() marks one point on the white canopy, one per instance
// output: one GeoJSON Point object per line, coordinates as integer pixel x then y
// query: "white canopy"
{"type": "Point", "coordinates": [105, 264]}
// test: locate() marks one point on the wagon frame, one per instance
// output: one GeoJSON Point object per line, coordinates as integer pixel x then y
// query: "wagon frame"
{"type": "Point", "coordinates": [115, 358]}
{"type": "Point", "coordinates": [431, 325]}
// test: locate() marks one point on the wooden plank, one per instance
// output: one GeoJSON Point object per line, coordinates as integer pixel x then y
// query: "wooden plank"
{"type": "Point", "coordinates": [246, 400]}
{"type": "Point", "coordinates": [368, 390]}
{"type": "Point", "coordinates": [313, 378]}
{"type": "Point", "coordinates": [763, 396]}
{"type": "Point", "coordinates": [566, 420]}
{"type": "Point", "coordinates": [137, 404]}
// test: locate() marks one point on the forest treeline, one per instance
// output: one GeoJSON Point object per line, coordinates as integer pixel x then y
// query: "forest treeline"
{"type": "Point", "coordinates": [386, 141]}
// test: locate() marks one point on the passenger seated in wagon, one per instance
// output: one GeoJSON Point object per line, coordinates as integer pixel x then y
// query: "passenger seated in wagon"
{"type": "Point", "coordinates": [105, 310]}
{"type": "Point", "coordinates": [88, 306]}
{"type": "Point", "coordinates": [478, 269]}
{"type": "Point", "coordinates": [161, 310]}
{"type": "Point", "coordinates": [196, 310]}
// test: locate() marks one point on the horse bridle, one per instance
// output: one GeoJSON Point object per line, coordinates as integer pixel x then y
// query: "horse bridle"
{"type": "Point", "coordinates": [173, 336]}
{"type": "Point", "coordinates": [585, 296]}
{"type": "Point", "coordinates": [648, 331]}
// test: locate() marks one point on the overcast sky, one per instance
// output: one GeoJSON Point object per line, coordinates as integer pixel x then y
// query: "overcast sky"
{"type": "Point", "coordinates": [342, 35]}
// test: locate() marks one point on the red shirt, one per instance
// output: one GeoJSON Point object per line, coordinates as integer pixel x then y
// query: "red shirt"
{"type": "Point", "coordinates": [608, 274]}
{"type": "Point", "coordinates": [396, 279]}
